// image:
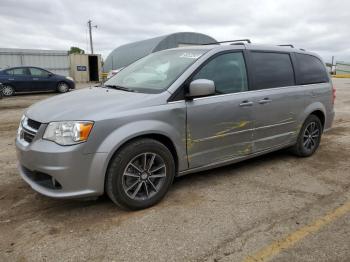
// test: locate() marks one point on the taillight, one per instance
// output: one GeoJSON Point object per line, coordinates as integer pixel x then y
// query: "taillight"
{"type": "Point", "coordinates": [334, 96]}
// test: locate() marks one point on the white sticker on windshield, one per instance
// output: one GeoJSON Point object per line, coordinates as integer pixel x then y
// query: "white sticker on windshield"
{"type": "Point", "coordinates": [190, 55]}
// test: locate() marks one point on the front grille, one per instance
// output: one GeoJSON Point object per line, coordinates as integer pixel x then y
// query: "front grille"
{"type": "Point", "coordinates": [33, 124]}
{"type": "Point", "coordinates": [28, 137]}
{"type": "Point", "coordinates": [29, 129]}
{"type": "Point", "coordinates": [42, 179]}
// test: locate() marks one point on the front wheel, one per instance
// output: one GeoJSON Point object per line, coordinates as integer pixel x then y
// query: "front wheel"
{"type": "Point", "coordinates": [140, 174]}
{"type": "Point", "coordinates": [62, 87]}
{"type": "Point", "coordinates": [309, 137]}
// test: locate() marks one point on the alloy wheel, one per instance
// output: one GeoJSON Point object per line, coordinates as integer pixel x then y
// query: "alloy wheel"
{"type": "Point", "coordinates": [311, 136]}
{"type": "Point", "coordinates": [144, 176]}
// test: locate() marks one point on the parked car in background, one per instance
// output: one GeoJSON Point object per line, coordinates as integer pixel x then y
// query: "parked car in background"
{"type": "Point", "coordinates": [172, 113]}
{"type": "Point", "coordinates": [33, 79]}
{"type": "Point", "coordinates": [114, 72]}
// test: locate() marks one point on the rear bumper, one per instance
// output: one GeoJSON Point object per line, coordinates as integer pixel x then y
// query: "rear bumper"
{"type": "Point", "coordinates": [329, 121]}
{"type": "Point", "coordinates": [61, 172]}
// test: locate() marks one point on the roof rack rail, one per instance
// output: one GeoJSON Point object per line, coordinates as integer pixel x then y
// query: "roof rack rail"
{"type": "Point", "coordinates": [292, 46]}
{"type": "Point", "coordinates": [230, 41]}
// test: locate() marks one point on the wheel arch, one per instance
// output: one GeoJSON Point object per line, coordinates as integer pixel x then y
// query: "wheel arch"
{"type": "Point", "coordinates": [320, 115]}
{"type": "Point", "coordinates": [165, 140]}
{"type": "Point", "coordinates": [317, 109]}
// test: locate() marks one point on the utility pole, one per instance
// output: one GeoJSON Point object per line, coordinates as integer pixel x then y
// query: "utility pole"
{"type": "Point", "coordinates": [90, 33]}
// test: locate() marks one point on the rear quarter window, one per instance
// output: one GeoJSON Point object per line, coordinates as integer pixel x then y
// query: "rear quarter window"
{"type": "Point", "coordinates": [311, 70]}
{"type": "Point", "coordinates": [272, 70]}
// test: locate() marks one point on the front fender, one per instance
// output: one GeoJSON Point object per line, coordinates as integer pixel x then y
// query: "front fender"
{"type": "Point", "coordinates": [140, 128]}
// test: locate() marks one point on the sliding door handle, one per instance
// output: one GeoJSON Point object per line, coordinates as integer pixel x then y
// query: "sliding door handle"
{"type": "Point", "coordinates": [265, 101]}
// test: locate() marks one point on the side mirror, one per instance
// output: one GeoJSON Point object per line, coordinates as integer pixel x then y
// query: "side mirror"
{"type": "Point", "coordinates": [201, 87]}
{"type": "Point", "coordinates": [50, 74]}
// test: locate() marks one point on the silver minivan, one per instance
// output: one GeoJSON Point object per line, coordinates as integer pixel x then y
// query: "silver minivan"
{"type": "Point", "coordinates": [172, 113]}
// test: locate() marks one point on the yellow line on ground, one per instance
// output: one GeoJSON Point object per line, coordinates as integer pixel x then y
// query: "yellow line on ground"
{"type": "Point", "coordinates": [276, 247]}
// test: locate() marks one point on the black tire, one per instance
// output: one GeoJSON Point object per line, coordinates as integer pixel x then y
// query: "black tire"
{"type": "Point", "coordinates": [62, 87]}
{"type": "Point", "coordinates": [303, 148]}
{"type": "Point", "coordinates": [8, 90]}
{"type": "Point", "coordinates": [119, 179]}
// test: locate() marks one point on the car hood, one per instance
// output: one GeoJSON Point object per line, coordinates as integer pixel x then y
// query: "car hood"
{"type": "Point", "coordinates": [89, 104]}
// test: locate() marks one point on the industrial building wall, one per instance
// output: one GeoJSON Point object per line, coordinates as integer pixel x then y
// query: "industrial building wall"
{"type": "Point", "coordinates": [52, 60]}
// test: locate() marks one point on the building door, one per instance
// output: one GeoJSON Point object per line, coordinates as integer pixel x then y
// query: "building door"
{"type": "Point", "coordinates": [93, 68]}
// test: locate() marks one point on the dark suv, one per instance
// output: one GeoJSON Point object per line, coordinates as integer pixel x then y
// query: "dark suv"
{"type": "Point", "coordinates": [33, 79]}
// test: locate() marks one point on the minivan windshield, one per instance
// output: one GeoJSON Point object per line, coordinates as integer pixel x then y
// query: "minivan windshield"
{"type": "Point", "coordinates": [155, 72]}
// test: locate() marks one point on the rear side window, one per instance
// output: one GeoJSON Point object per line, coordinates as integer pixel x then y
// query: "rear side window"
{"type": "Point", "coordinates": [9, 72]}
{"type": "Point", "coordinates": [272, 70]}
{"type": "Point", "coordinates": [311, 70]}
{"type": "Point", "coordinates": [227, 71]}
{"type": "Point", "coordinates": [17, 72]}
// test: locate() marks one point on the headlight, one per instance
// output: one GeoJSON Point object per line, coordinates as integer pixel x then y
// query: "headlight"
{"type": "Point", "coordinates": [69, 78]}
{"type": "Point", "coordinates": [19, 131]}
{"type": "Point", "coordinates": [68, 132]}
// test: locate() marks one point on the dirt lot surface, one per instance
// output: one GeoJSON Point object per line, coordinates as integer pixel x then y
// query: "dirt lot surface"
{"type": "Point", "coordinates": [276, 207]}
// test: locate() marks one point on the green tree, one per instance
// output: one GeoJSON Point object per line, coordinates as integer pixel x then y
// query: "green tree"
{"type": "Point", "coordinates": [76, 50]}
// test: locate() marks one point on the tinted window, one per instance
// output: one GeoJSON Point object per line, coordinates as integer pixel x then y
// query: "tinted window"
{"type": "Point", "coordinates": [311, 69]}
{"type": "Point", "coordinates": [38, 72]}
{"type": "Point", "coordinates": [17, 71]}
{"type": "Point", "coordinates": [9, 72]}
{"type": "Point", "coordinates": [272, 70]}
{"type": "Point", "coordinates": [227, 71]}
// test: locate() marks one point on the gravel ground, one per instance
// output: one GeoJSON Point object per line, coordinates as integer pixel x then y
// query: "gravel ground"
{"type": "Point", "coordinates": [225, 214]}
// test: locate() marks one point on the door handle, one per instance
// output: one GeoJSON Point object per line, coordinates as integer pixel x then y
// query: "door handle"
{"type": "Point", "coordinates": [35, 78]}
{"type": "Point", "coordinates": [246, 103]}
{"type": "Point", "coordinates": [11, 79]}
{"type": "Point", "coordinates": [264, 101]}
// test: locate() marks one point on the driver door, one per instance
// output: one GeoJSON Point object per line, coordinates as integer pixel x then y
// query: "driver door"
{"type": "Point", "coordinates": [220, 127]}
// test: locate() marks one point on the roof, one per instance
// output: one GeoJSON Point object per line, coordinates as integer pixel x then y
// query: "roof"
{"type": "Point", "coordinates": [262, 47]}
{"type": "Point", "coordinates": [19, 51]}
{"type": "Point", "coordinates": [129, 53]}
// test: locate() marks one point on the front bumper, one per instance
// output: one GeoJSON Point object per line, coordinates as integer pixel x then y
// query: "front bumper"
{"type": "Point", "coordinates": [71, 85]}
{"type": "Point", "coordinates": [61, 171]}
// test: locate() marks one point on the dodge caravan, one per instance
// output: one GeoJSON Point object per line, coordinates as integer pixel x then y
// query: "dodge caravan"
{"type": "Point", "coordinates": [171, 113]}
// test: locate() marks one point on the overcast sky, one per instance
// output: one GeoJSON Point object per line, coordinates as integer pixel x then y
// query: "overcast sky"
{"type": "Point", "coordinates": [321, 26]}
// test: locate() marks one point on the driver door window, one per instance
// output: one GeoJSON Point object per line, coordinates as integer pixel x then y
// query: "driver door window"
{"type": "Point", "coordinates": [228, 71]}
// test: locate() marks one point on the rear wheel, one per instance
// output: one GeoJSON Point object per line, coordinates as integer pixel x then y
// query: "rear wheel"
{"type": "Point", "coordinates": [62, 87]}
{"type": "Point", "coordinates": [140, 174]}
{"type": "Point", "coordinates": [309, 137]}
{"type": "Point", "coordinates": [8, 90]}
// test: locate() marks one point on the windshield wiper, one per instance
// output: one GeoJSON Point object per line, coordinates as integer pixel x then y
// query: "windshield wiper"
{"type": "Point", "coordinates": [120, 88]}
